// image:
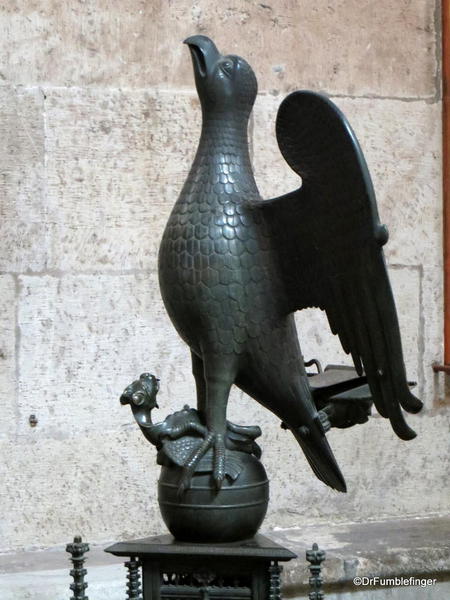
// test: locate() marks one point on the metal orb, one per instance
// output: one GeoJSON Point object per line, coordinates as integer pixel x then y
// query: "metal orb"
{"type": "Point", "coordinates": [204, 514]}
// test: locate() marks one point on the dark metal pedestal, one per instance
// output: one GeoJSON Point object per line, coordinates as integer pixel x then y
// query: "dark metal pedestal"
{"type": "Point", "coordinates": [173, 570]}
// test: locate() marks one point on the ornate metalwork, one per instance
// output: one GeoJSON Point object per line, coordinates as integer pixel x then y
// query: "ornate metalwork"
{"type": "Point", "coordinates": [315, 557]}
{"type": "Point", "coordinates": [180, 433]}
{"type": "Point", "coordinates": [134, 579]}
{"type": "Point", "coordinates": [174, 570]}
{"type": "Point", "coordinates": [233, 268]}
{"type": "Point", "coordinates": [241, 572]}
{"type": "Point", "coordinates": [275, 581]}
{"type": "Point", "coordinates": [206, 583]}
{"type": "Point", "coordinates": [78, 549]}
{"type": "Point", "coordinates": [244, 494]}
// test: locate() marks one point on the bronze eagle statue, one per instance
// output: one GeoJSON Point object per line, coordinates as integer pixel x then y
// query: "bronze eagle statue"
{"type": "Point", "coordinates": [233, 268]}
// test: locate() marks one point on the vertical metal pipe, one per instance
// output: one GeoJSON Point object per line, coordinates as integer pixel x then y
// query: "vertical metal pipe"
{"type": "Point", "coordinates": [446, 169]}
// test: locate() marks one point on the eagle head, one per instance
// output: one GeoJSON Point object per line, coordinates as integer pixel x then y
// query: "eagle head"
{"type": "Point", "coordinates": [223, 83]}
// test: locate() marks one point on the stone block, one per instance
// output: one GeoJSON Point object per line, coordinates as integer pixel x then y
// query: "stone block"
{"type": "Point", "coordinates": [116, 163]}
{"type": "Point", "coordinates": [23, 211]}
{"type": "Point", "coordinates": [83, 339]}
{"type": "Point", "coordinates": [401, 142]}
{"type": "Point", "coordinates": [386, 477]}
{"type": "Point", "coordinates": [343, 47]}
{"type": "Point", "coordinates": [100, 484]}
{"type": "Point", "coordinates": [105, 583]}
{"type": "Point", "coordinates": [8, 384]}
{"type": "Point", "coordinates": [432, 336]}
{"type": "Point", "coordinates": [406, 287]}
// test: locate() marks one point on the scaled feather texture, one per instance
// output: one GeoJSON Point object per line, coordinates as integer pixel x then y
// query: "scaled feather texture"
{"type": "Point", "coordinates": [233, 268]}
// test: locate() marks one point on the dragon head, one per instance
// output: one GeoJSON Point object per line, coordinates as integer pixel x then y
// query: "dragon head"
{"type": "Point", "coordinates": [141, 396]}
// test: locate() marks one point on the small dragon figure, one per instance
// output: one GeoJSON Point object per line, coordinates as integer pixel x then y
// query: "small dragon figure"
{"type": "Point", "coordinates": [182, 433]}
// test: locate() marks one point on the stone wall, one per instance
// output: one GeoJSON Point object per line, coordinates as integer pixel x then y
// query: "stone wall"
{"type": "Point", "coordinates": [100, 123]}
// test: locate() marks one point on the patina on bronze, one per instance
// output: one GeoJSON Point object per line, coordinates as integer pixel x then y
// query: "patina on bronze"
{"type": "Point", "coordinates": [246, 570]}
{"type": "Point", "coordinates": [199, 513]}
{"type": "Point", "coordinates": [233, 268]}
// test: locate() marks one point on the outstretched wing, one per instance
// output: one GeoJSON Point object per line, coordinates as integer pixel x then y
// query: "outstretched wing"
{"type": "Point", "coordinates": [329, 242]}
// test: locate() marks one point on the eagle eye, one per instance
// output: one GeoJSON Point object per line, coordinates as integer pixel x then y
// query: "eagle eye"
{"type": "Point", "coordinates": [227, 67]}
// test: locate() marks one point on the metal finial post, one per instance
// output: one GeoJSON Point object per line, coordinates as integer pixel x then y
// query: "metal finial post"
{"type": "Point", "coordinates": [315, 557]}
{"type": "Point", "coordinates": [275, 581]}
{"type": "Point", "coordinates": [134, 579]}
{"type": "Point", "coordinates": [78, 549]}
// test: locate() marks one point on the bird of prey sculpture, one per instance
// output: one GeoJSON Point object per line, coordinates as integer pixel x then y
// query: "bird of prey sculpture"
{"type": "Point", "coordinates": [233, 268]}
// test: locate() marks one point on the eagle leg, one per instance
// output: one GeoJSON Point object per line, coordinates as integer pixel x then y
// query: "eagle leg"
{"type": "Point", "coordinates": [200, 383]}
{"type": "Point", "coordinates": [214, 377]}
{"type": "Point", "coordinates": [220, 373]}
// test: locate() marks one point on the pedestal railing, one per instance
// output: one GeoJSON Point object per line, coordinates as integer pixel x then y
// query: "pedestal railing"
{"type": "Point", "coordinates": [78, 549]}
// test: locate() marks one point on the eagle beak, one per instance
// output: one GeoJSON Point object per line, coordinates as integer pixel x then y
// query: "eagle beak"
{"type": "Point", "coordinates": [204, 54]}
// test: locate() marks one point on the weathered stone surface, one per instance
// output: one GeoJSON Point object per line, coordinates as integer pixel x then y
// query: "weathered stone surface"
{"type": "Point", "coordinates": [386, 548]}
{"type": "Point", "coordinates": [416, 548]}
{"type": "Point", "coordinates": [83, 339]}
{"type": "Point", "coordinates": [22, 209]}
{"type": "Point", "coordinates": [105, 583]}
{"type": "Point", "coordinates": [434, 591]}
{"type": "Point", "coordinates": [54, 557]}
{"type": "Point", "coordinates": [385, 476]}
{"type": "Point", "coordinates": [381, 48]}
{"type": "Point", "coordinates": [116, 163]}
{"type": "Point", "coordinates": [101, 485]}
{"type": "Point", "coordinates": [406, 287]}
{"type": "Point", "coordinates": [401, 142]}
{"type": "Point", "coordinates": [8, 400]}
{"type": "Point", "coordinates": [431, 337]}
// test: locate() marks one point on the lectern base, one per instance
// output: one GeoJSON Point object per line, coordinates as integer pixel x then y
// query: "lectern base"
{"type": "Point", "coordinates": [173, 570]}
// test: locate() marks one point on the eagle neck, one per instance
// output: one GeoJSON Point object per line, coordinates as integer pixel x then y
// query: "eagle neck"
{"type": "Point", "coordinates": [224, 134]}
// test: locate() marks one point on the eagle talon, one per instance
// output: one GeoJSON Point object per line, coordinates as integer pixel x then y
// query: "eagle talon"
{"type": "Point", "coordinates": [219, 460]}
{"type": "Point", "coordinates": [324, 419]}
{"type": "Point", "coordinates": [179, 431]}
{"type": "Point", "coordinates": [217, 442]}
{"type": "Point", "coordinates": [251, 431]}
{"type": "Point", "coordinates": [192, 462]}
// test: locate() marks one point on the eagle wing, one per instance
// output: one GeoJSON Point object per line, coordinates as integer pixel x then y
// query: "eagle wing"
{"type": "Point", "coordinates": [328, 240]}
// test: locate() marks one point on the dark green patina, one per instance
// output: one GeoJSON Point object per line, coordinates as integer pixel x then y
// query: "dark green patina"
{"type": "Point", "coordinates": [233, 269]}
{"type": "Point", "coordinates": [245, 570]}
